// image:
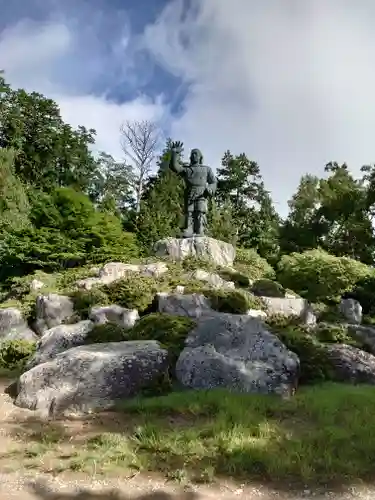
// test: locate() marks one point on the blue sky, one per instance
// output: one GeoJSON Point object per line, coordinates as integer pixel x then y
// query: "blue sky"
{"type": "Point", "coordinates": [290, 83]}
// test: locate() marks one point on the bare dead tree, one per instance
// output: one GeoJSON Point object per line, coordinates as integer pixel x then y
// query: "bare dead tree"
{"type": "Point", "coordinates": [139, 142]}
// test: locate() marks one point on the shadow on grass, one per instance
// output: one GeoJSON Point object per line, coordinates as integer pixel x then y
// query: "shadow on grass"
{"type": "Point", "coordinates": [323, 437]}
{"type": "Point", "coordinates": [42, 491]}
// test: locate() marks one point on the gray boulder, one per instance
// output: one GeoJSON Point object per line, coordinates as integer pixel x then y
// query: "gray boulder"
{"type": "Point", "coordinates": [114, 314]}
{"type": "Point", "coordinates": [202, 247]}
{"type": "Point", "coordinates": [351, 310]}
{"type": "Point", "coordinates": [351, 365]}
{"type": "Point", "coordinates": [91, 377]}
{"type": "Point", "coordinates": [238, 353]}
{"type": "Point", "coordinates": [58, 339]}
{"type": "Point", "coordinates": [52, 310]}
{"type": "Point", "coordinates": [291, 306]}
{"type": "Point", "coordinates": [365, 334]}
{"type": "Point", "coordinates": [14, 327]}
{"type": "Point", "coordinates": [192, 306]}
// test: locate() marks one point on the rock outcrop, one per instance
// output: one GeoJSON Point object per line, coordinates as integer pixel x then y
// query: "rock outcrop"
{"type": "Point", "coordinates": [91, 377]}
{"type": "Point", "coordinates": [202, 247]}
{"type": "Point", "coordinates": [238, 353]}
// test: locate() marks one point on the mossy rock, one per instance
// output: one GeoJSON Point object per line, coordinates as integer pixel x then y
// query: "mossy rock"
{"type": "Point", "coordinates": [133, 292]}
{"type": "Point", "coordinates": [84, 300]}
{"type": "Point", "coordinates": [268, 288]}
{"type": "Point", "coordinates": [328, 313]}
{"type": "Point", "coordinates": [14, 354]}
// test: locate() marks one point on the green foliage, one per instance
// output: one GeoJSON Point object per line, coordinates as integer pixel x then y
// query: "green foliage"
{"type": "Point", "coordinates": [240, 279]}
{"type": "Point", "coordinates": [232, 301]}
{"type": "Point", "coordinates": [84, 300]}
{"type": "Point", "coordinates": [49, 152]}
{"type": "Point", "coordinates": [14, 354]}
{"type": "Point", "coordinates": [133, 292]}
{"type": "Point", "coordinates": [268, 288]}
{"type": "Point", "coordinates": [106, 332]}
{"type": "Point", "coordinates": [14, 205]}
{"type": "Point", "coordinates": [364, 292]}
{"type": "Point", "coordinates": [315, 365]}
{"type": "Point", "coordinates": [249, 262]}
{"type": "Point", "coordinates": [339, 334]}
{"type": "Point", "coordinates": [319, 276]}
{"type": "Point", "coordinates": [161, 213]}
{"type": "Point", "coordinates": [170, 331]}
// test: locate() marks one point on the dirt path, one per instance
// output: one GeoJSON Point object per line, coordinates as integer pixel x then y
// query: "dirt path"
{"type": "Point", "coordinates": [19, 481]}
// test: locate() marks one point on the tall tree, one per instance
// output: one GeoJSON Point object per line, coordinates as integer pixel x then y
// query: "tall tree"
{"type": "Point", "coordinates": [139, 142]}
{"type": "Point", "coordinates": [240, 183]}
{"type": "Point", "coordinates": [48, 152]}
{"type": "Point", "coordinates": [162, 204]}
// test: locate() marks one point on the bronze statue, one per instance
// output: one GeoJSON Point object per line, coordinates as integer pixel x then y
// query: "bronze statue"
{"type": "Point", "coordinates": [200, 184]}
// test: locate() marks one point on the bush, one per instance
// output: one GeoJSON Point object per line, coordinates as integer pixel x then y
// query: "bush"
{"type": "Point", "coordinates": [268, 288]}
{"type": "Point", "coordinates": [232, 301]}
{"type": "Point", "coordinates": [14, 354]}
{"type": "Point", "coordinates": [84, 300]}
{"type": "Point", "coordinates": [319, 276]}
{"type": "Point", "coordinates": [315, 365]}
{"type": "Point", "coordinates": [239, 279]}
{"type": "Point", "coordinates": [170, 331]}
{"type": "Point", "coordinates": [107, 332]}
{"type": "Point", "coordinates": [133, 292]}
{"type": "Point", "coordinates": [364, 292]}
{"type": "Point", "coordinates": [336, 334]}
{"type": "Point", "coordinates": [252, 265]}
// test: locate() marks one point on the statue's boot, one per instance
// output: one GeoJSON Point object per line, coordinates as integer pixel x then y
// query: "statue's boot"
{"type": "Point", "coordinates": [189, 226]}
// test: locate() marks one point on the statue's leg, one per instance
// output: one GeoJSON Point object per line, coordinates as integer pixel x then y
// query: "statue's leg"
{"type": "Point", "coordinates": [201, 217]}
{"type": "Point", "coordinates": [189, 219]}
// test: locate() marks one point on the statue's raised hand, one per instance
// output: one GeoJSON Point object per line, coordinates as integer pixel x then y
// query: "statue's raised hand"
{"type": "Point", "coordinates": [177, 146]}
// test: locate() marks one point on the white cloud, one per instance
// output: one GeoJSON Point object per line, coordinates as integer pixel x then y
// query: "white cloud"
{"type": "Point", "coordinates": [291, 83]}
{"type": "Point", "coordinates": [35, 56]}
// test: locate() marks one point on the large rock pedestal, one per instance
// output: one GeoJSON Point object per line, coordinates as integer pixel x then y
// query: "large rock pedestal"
{"type": "Point", "coordinates": [198, 247]}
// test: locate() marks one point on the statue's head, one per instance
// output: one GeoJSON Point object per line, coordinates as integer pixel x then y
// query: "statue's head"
{"type": "Point", "coordinates": [196, 157]}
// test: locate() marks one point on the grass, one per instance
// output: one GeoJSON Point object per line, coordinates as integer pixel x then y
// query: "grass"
{"type": "Point", "coordinates": [324, 435]}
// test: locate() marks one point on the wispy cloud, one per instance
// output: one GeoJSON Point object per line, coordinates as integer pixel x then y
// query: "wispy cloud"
{"type": "Point", "coordinates": [289, 82]}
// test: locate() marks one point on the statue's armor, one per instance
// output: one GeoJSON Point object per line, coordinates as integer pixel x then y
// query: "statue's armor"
{"type": "Point", "coordinates": [196, 181]}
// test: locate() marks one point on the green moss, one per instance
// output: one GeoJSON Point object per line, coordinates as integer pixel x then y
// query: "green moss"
{"type": "Point", "coordinates": [241, 280]}
{"type": "Point", "coordinates": [336, 333]}
{"type": "Point", "coordinates": [107, 332]}
{"type": "Point", "coordinates": [170, 331]}
{"type": "Point", "coordinates": [232, 301]}
{"type": "Point", "coordinates": [268, 288]}
{"type": "Point", "coordinates": [14, 354]}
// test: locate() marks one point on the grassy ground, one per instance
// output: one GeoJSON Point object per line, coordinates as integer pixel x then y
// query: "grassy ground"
{"type": "Point", "coordinates": [325, 434]}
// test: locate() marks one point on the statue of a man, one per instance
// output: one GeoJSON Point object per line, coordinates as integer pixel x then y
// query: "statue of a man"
{"type": "Point", "coordinates": [200, 184]}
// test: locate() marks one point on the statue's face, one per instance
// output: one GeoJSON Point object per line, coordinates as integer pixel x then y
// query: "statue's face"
{"type": "Point", "coordinates": [194, 157]}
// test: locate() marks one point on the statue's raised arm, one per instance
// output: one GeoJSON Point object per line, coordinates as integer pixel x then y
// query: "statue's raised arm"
{"type": "Point", "coordinates": [175, 163]}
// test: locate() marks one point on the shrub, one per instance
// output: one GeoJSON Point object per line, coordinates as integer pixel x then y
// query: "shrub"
{"type": "Point", "coordinates": [107, 332]}
{"type": "Point", "coordinates": [253, 265]}
{"type": "Point", "coordinates": [239, 279]}
{"type": "Point", "coordinates": [268, 288]}
{"type": "Point", "coordinates": [14, 354]}
{"type": "Point", "coordinates": [232, 301]}
{"type": "Point", "coordinates": [364, 292]}
{"type": "Point", "coordinates": [319, 276]}
{"type": "Point", "coordinates": [133, 292]}
{"type": "Point", "coordinates": [84, 300]}
{"type": "Point", "coordinates": [339, 334]}
{"type": "Point", "coordinates": [315, 365]}
{"type": "Point", "coordinates": [170, 331]}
